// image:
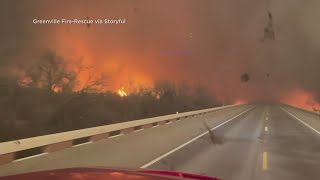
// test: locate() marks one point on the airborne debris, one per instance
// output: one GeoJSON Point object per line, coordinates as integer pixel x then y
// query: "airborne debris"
{"type": "Point", "coordinates": [245, 77]}
{"type": "Point", "coordinates": [214, 139]}
{"type": "Point", "coordinates": [269, 32]}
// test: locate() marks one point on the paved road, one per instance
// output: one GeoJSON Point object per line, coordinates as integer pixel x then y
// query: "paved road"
{"type": "Point", "coordinates": [265, 143]}
{"type": "Point", "coordinates": [130, 150]}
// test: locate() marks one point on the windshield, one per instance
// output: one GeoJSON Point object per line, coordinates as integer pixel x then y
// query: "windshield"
{"type": "Point", "coordinates": [226, 89]}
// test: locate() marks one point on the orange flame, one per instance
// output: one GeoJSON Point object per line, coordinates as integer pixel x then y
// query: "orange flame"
{"type": "Point", "coordinates": [302, 99]}
{"type": "Point", "coordinates": [121, 92]}
{"type": "Point", "coordinates": [240, 101]}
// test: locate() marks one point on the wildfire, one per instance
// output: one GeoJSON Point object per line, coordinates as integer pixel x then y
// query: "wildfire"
{"type": "Point", "coordinates": [57, 89]}
{"type": "Point", "coordinates": [239, 101]}
{"type": "Point", "coordinates": [121, 92]}
{"type": "Point", "coordinates": [302, 99]}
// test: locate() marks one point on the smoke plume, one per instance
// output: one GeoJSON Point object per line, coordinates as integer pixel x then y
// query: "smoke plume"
{"type": "Point", "coordinates": [208, 41]}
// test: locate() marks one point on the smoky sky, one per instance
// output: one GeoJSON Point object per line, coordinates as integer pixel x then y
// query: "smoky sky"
{"type": "Point", "coordinates": [209, 41]}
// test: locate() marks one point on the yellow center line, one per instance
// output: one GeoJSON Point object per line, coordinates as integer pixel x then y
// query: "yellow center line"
{"type": "Point", "coordinates": [264, 161]}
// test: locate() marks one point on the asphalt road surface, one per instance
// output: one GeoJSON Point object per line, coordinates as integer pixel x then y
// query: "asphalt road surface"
{"type": "Point", "coordinates": [262, 142]}
{"type": "Point", "coordinates": [265, 143]}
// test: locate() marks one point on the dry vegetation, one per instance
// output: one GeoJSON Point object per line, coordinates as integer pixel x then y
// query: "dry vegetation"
{"type": "Point", "coordinates": [45, 101]}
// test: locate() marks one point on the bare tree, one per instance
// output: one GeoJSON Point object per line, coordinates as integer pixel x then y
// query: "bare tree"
{"type": "Point", "coordinates": [183, 88]}
{"type": "Point", "coordinates": [50, 73]}
{"type": "Point", "coordinates": [94, 82]}
{"type": "Point", "coordinates": [53, 74]}
{"type": "Point", "coordinates": [165, 90]}
{"type": "Point", "coordinates": [202, 97]}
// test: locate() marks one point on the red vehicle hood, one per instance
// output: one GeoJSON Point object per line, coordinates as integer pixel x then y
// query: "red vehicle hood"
{"type": "Point", "coordinates": [105, 174]}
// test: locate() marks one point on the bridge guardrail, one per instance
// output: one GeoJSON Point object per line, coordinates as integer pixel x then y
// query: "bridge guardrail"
{"type": "Point", "coordinates": [53, 142]}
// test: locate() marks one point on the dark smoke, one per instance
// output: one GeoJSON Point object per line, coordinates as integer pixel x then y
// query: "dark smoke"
{"type": "Point", "coordinates": [207, 41]}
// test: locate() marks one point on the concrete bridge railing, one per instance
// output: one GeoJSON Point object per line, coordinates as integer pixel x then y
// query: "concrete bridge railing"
{"type": "Point", "coordinates": [9, 151]}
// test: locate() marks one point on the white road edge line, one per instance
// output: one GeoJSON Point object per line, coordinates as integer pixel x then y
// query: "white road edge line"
{"type": "Point", "coordinates": [82, 144]}
{"type": "Point", "coordinates": [266, 128]}
{"type": "Point", "coordinates": [115, 136]}
{"type": "Point", "coordinates": [190, 141]}
{"type": "Point", "coordinates": [17, 160]}
{"type": "Point", "coordinates": [301, 121]}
